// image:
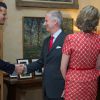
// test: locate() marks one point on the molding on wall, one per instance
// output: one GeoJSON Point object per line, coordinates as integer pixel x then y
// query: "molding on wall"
{"type": "Point", "coordinates": [71, 4]}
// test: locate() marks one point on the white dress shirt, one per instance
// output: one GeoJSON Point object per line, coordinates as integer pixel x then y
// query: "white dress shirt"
{"type": "Point", "coordinates": [55, 35]}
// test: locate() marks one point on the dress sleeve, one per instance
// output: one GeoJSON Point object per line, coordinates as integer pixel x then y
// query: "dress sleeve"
{"type": "Point", "coordinates": [67, 46]}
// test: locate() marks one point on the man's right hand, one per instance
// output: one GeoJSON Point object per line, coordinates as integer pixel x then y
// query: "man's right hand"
{"type": "Point", "coordinates": [19, 68]}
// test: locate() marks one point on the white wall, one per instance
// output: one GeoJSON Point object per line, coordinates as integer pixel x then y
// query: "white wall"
{"type": "Point", "coordinates": [12, 37]}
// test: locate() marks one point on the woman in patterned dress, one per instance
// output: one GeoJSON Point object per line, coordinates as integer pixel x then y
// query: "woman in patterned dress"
{"type": "Point", "coordinates": [81, 52]}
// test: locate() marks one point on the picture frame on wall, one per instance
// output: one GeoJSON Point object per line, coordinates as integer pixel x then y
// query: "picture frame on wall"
{"type": "Point", "coordinates": [24, 75]}
{"type": "Point", "coordinates": [69, 4]}
{"type": "Point", "coordinates": [34, 34]}
{"type": "Point", "coordinates": [39, 71]}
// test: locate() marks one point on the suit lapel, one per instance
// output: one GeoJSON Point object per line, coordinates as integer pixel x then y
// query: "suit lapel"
{"type": "Point", "coordinates": [47, 46]}
{"type": "Point", "coordinates": [59, 38]}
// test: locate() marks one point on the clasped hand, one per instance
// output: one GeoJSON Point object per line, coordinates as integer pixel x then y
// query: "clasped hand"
{"type": "Point", "coordinates": [19, 68]}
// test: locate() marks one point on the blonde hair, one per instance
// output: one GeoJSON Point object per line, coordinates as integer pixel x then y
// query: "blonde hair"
{"type": "Point", "coordinates": [88, 19]}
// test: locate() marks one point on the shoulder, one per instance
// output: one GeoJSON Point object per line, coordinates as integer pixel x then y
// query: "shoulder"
{"type": "Point", "coordinates": [63, 35]}
{"type": "Point", "coordinates": [47, 38]}
{"type": "Point", "coordinates": [99, 36]}
{"type": "Point", "coordinates": [72, 36]}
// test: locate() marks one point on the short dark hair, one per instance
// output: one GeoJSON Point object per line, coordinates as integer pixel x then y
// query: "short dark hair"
{"type": "Point", "coordinates": [2, 4]}
{"type": "Point", "coordinates": [88, 19]}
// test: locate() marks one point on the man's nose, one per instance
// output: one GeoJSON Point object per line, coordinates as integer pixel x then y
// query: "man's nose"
{"type": "Point", "coordinates": [6, 17]}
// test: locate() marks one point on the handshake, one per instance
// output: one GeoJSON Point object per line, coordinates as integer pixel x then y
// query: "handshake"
{"type": "Point", "coordinates": [19, 68]}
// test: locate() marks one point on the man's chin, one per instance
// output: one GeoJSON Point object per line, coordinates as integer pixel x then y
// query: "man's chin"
{"type": "Point", "coordinates": [47, 29]}
{"type": "Point", "coordinates": [1, 23]}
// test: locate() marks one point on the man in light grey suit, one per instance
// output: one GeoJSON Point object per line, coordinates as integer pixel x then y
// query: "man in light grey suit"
{"type": "Point", "coordinates": [53, 83]}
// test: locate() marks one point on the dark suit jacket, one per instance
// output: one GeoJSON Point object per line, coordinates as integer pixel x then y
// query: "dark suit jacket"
{"type": "Point", "coordinates": [52, 79]}
{"type": "Point", "coordinates": [7, 67]}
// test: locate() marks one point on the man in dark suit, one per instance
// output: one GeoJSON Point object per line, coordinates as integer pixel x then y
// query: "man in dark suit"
{"type": "Point", "coordinates": [5, 66]}
{"type": "Point", "coordinates": [53, 83]}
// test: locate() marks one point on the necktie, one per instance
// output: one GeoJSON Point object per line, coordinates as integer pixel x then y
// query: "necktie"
{"type": "Point", "coordinates": [51, 42]}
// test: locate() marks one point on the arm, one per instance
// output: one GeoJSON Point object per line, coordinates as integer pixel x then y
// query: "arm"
{"type": "Point", "coordinates": [98, 62]}
{"type": "Point", "coordinates": [7, 67]}
{"type": "Point", "coordinates": [10, 68]}
{"type": "Point", "coordinates": [64, 64]}
{"type": "Point", "coordinates": [34, 66]}
{"type": "Point", "coordinates": [37, 64]}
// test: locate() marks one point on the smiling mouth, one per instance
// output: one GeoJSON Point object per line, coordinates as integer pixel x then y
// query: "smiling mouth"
{"type": "Point", "coordinates": [2, 22]}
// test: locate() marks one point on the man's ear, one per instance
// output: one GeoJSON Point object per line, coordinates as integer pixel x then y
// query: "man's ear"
{"type": "Point", "coordinates": [55, 21]}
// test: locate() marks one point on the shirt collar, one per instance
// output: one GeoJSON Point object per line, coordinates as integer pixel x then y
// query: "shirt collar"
{"type": "Point", "coordinates": [55, 35]}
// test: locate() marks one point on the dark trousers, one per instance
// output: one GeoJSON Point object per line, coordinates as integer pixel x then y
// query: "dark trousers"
{"type": "Point", "coordinates": [46, 97]}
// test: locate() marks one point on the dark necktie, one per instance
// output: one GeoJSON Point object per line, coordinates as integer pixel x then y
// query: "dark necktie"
{"type": "Point", "coordinates": [51, 42]}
